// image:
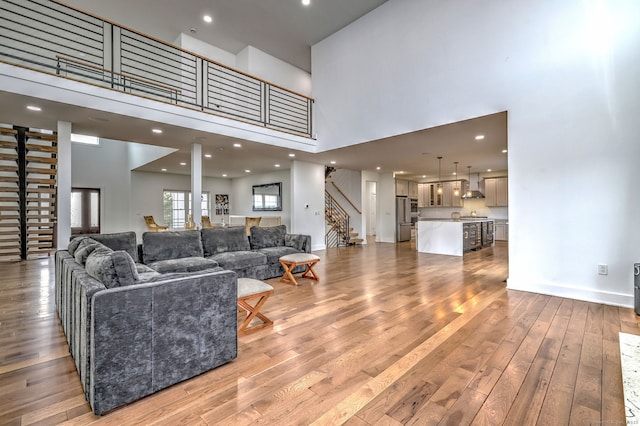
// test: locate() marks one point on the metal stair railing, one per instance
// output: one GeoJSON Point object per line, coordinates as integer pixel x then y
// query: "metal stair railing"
{"type": "Point", "coordinates": [338, 220]}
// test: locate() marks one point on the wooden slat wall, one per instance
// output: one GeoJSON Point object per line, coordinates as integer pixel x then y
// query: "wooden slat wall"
{"type": "Point", "coordinates": [9, 199]}
{"type": "Point", "coordinates": [40, 183]}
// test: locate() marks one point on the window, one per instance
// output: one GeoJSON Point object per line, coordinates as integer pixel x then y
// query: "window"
{"type": "Point", "coordinates": [89, 140]}
{"type": "Point", "coordinates": [177, 206]}
{"type": "Point", "coordinates": [85, 211]}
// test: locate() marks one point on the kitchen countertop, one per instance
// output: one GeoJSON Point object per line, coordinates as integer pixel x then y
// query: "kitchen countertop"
{"type": "Point", "coordinates": [432, 219]}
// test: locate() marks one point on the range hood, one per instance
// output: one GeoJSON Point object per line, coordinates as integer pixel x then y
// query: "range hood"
{"type": "Point", "coordinates": [474, 179]}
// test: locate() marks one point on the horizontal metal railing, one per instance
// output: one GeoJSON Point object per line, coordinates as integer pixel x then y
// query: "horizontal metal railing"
{"type": "Point", "coordinates": [48, 36]}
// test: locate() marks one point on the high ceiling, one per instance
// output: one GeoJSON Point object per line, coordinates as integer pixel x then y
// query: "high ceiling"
{"type": "Point", "coordinates": [285, 29]}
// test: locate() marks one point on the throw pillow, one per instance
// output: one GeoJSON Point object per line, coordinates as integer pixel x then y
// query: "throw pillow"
{"type": "Point", "coordinates": [74, 244]}
{"type": "Point", "coordinates": [112, 268]}
{"type": "Point", "coordinates": [85, 248]}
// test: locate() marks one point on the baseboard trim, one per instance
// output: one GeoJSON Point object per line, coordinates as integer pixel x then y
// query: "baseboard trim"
{"type": "Point", "coordinates": [572, 292]}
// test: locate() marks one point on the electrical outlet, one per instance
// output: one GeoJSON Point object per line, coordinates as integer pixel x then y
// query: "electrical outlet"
{"type": "Point", "coordinates": [603, 269]}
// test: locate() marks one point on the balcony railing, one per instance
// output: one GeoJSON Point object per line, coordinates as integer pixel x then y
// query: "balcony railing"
{"type": "Point", "coordinates": [47, 36]}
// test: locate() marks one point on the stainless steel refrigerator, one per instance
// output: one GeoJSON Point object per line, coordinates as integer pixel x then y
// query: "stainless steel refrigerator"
{"type": "Point", "coordinates": [403, 219]}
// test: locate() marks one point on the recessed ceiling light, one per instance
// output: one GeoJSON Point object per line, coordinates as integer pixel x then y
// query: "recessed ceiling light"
{"type": "Point", "coordinates": [183, 164]}
{"type": "Point", "coordinates": [276, 165]}
{"type": "Point", "coordinates": [224, 175]}
{"type": "Point", "coordinates": [424, 176]}
{"type": "Point", "coordinates": [306, 2]}
{"type": "Point", "coordinates": [332, 162]}
{"type": "Point", "coordinates": [164, 170]}
{"type": "Point", "coordinates": [33, 108]}
{"type": "Point", "coordinates": [488, 170]}
{"type": "Point", "coordinates": [479, 137]}
{"type": "Point", "coordinates": [504, 151]}
{"type": "Point", "coordinates": [237, 145]}
{"type": "Point", "coordinates": [247, 171]}
{"type": "Point", "coordinates": [207, 155]}
{"type": "Point", "coordinates": [157, 131]}
{"type": "Point", "coordinates": [207, 18]}
{"type": "Point", "coordinates": [378, 168]}
{"type": "Point", "coordinates": [292, 155]}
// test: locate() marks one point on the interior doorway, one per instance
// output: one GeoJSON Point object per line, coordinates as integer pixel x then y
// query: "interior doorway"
{"type": "Point", "coordinates": [85, 211]}
{"type": "Point", "coordinates": [372, 208]}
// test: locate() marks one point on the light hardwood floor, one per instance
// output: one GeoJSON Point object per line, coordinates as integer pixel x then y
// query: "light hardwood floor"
{"type": "Point", "coordinates": [387, 336]}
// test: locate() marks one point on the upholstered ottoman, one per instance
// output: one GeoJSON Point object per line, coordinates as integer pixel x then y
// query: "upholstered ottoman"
{"type": "Point", "coordinates": [249, 289]}
{"type": "Point", "coordinates": [290, 261]}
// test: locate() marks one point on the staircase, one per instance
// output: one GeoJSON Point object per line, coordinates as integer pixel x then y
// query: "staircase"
{"type": "Point", "coordinates": [340, 233]}
{"type": "Point", "coordinates": [28, 179]}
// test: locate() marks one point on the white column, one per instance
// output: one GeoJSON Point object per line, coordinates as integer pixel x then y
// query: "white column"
{"type": "Point", "coordinates": [196, 183]}
{"type": "Point", "coordinates": [63, 202]}
{"type": "Point", "coordinates": [307, 201]}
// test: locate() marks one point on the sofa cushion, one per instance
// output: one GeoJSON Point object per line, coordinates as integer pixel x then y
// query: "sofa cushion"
{"type": "Point", "coordinates": [145, 273]}
{"type": "Point", "coordinates": [119, 241]}
{"type": "Point", "coordinates": [239, 259]}
{"type": "Point", "coordinates": [185, 264]}
{"type": "Point", "coordinates": [85, 248]}
{"type": "Point", "coordinates": [224, 239]}
{"type": "Point", "coordinates": [112, 268]}
{"type": "Point", "coordinates": [271, 236]}
{"type": "Point", "coordinates": [170, 245]}
{"type": "Point", "coordinates": [296, 241]}
{"type": "Point", "coordinates": [275, 253]}
{"type": "Point", "coordinates": [74, 244]}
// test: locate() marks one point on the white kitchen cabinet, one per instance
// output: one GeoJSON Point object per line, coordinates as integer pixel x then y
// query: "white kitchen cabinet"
{"type": "Point", "coordinates": [402, 188]}
{"type": "Point", "coordinates": [413, 189]}
{"type": "Point", "coordinates": [428, 194]}
{"type": "Point", "coordinates": [501, 230]}
{"type": "Point", "coordinates": [423, 195]}
{"type": "Point", "coordinates": [496, 192]}
{"type": "Point", "coordinates": [453, 199]}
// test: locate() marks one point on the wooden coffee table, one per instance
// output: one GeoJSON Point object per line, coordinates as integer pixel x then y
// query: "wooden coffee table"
{"type": "Point", "coordinates": [290, 261]}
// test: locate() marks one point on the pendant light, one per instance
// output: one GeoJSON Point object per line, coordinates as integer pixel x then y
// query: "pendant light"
{"type": "Point", "coordinates": [469, 194]}
{"type": "Point", "coordinates": [440, 190]}
{"type": "Point", "coordinates": [456, 189]}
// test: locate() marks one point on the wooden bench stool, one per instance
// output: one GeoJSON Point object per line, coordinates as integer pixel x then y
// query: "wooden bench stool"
{"type": "Point", "coordinates": [248, 289]}
{"type": "Point", "coordinates": [290, 261]}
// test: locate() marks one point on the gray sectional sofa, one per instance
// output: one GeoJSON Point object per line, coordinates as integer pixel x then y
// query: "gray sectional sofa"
{"type": "Point", "coordinates": [140, 318]}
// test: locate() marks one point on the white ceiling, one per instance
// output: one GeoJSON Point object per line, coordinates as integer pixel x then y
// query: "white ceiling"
{"type": "Point", "coordinates": [285, 29]}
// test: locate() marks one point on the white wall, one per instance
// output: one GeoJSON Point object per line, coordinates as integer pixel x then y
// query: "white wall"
{"type": "Point", "coordinates": [567, 74]}
{"type": "Point", "coordinates": [262, 65]}
{"type": "Point", "coordinates": [307, 201]}
{"type": "Point", "coordinates": [141, 154]}
{"type": "Point", "coordinates": [241, 196]}
{"type": "Point", "coordinates": [147, 189]}
{"type": "Point", "coordinates": [106, 167]}
{"type": "Point", "coordinates": [207, 50]}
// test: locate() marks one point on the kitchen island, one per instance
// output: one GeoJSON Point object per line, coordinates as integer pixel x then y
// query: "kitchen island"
{"type": "Point", "coordinates": [453, 237]}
